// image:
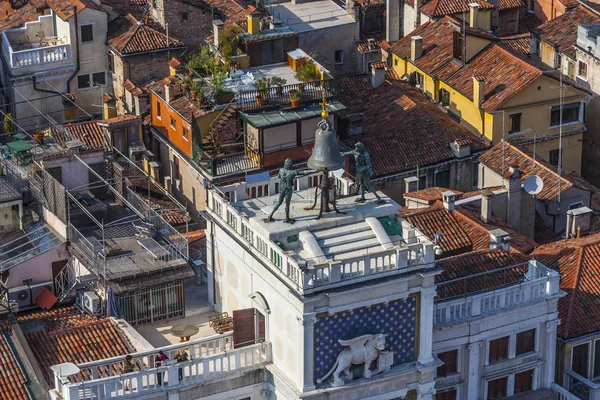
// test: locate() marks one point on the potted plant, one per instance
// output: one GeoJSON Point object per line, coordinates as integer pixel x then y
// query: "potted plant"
{"type": "Point", "coordinates": [38, 135]}
{"type": "Point", "coordinates": [278, 83]}
{"type": "Point", "coordinates": [262, 86]}
{"type": "Point", "coordinates": [9, 124]}
{"type": "Point", "coordinates": [307, 72]}
{"type": "Point", "coordinates": [295, 98]}
{"type": "Point", "coordinates": [187, 83]}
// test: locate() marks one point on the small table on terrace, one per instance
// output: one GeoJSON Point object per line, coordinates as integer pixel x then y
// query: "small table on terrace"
{"type": "Point", "coordinates": [20, 149]}
{"type": "Point", "coordinates": [184, 331]}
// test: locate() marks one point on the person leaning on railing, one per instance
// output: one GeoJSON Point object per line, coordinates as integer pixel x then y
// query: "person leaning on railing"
{"type": "Point", "coordinates": [181, 356]}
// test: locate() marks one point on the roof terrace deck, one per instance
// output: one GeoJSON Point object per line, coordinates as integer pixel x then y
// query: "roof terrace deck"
{"type": "Point", "coordinates": [310, 15]}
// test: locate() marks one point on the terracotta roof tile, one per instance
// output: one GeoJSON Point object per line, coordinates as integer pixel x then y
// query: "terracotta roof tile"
{"type": "Point", "coordinates": [397, 116]}
{"type": "Point", "coordinates": [578, 261]}
{"type": "Point", "coordinates": [89, 132]}
{"type": "Point", "coordinates": [440, 8]}
{"type": "Point", "coordinates": [11, 18]}
{"type": "Point", "coordinates": [430, 194]}
{"type": "Point", "coordinates": [479, 262]}
{"type": "Point", "coordinates": [519, 43]}
{"type": "Point", "coordinates": [64, 8]}
{"type": "Point", "coordinates": [128, 36]}
{"type": "Point", "coordinates": [508, 4]}
{"type": "Point", "coordinates": [12, 380]}
{"type": "Point", "coordinates": [562, 30]}
{"type": "Point", "coordinates": [66, 335]}
{"type": "Point", "coordinates": [180, 102]}
{"type": "Point", "coordinates": [523, 160]}
{"type": "Point", "coordinates": [136, 8]}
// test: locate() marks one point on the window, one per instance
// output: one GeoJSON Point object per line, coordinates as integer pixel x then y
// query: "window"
{"type": "Point", "coordinates": [573, 206]}
{"type": "Point", "coordinates": [553, 159]}
{"type": "Point", "coordinates": [475, 175]}
{"type": "Point", "coordinates": [582, 69]}
{"type": "Point", "coordinates": [447, 395]}
{"type": "Point", "coordinates": [570, 69]}
{"type": "Point", "coordinates": [99, 78]}
{"type": "Point", "coordinates": [339, 56]}
{"type": "Point", "coordinates": [449, 358]}
{"type": "Point", "coordinates": [444, 97]}
{"type": "Point", "coordinates": [87, 33]}
{"type": "Point", "coordinates": [111, 62]}
{"type": "Point", "coordinates": [186, 134]}
{"type": "Point", "coordinates": [498, 349]}
{"type": "Point", "coordinates": [158, 109]}
{"type": "Point", "coordinates": [184, 17]}
{"type": "Point", "coordinates": [579, 361]}
{"type": "Point", "coordinates": [83, 81]}
{"type": "Point", "coordinates": [526, 342]}
{"type": "Point", "coordinates": [570, 113]}
{"type": "Point", "coordinates": [457, 45]}
{"type": "Point", "coordinates": [173, 123]}
{"type": "Point", "coordinates": [442, 179]}
{"type": "Point", "coordinates": [524, 381]}
{"type": "Point", "coordinates": [395, 62]}
{"type": "Point", "coordinates": [597, 359]}
{"type": "Point", "coordinates": [419, 80]}
{"type": "Point", "coordinates": [497, 388]}
{"type": "Point", "coordinates": [515, 123]}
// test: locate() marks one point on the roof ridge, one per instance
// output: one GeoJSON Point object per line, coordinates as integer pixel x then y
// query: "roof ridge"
{"type": "Point", "coordinates": [132, 33]}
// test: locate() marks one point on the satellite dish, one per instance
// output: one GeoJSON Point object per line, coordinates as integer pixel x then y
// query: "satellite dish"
{"type": "Point", "coordinates": [533, 185]}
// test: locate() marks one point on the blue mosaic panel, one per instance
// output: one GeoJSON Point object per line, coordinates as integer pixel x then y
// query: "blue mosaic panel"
{"type": "Point", "coordinates": [397, 318]}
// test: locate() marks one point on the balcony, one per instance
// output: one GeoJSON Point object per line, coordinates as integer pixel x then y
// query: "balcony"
{"type": "Point", "coordinates": [35, 44]}
{"type": "Point", "coordinates": [210, 359]}
{"type": "Point", "coordinates": [493, 291]}
{"type": "Point", "coordinates": [227, 164]}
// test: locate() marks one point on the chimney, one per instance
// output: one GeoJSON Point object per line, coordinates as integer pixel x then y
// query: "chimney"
{"type": "Point", "coordinates": [499, 239]}
{"type": "Point", "coordinates": [514, 198]}
{"type": "Point", "coordinates": [581, 220]}
{"type": "Point", "coordinates": [416, 47]}
{"type": "Point", "coordinates": [167, 94]}
{"type": "Point", "coordinates": [473, 12]}
{"type": "Point", "coordinates": [217, 29]}
{"type": "Point", "coordinates": [448, 199]}
{"type": "Point", "coordinates": [377, 73]}
{"type": "Point", "coordinates": [417, 11]}
{"type": "Point", "coordinates": [392, 21]}
{"type": "Point", "coordinates": [486, 205]}
{"type": "Point", "coordinates": [478, 90]}
{"type": "Point", "coordinates": [411, 184]}
{"type": "Point", "coordinates": [275, 23]}
{"type": "Point", "coordinates": [253, 24]}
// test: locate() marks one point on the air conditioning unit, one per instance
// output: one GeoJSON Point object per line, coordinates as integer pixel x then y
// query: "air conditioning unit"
{"type": "Point", "coordinates": [21, 295]}
{"type": "Point", "coordinates": [91, 303]}
{"type": "Point", "coordinates": [169, 184]}
{"type": "Point", "coordinates": [37, 288]}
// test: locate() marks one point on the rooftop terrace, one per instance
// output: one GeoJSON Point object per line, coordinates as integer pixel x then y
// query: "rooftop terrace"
{"type": "Point", "coordinates": [310, 15]}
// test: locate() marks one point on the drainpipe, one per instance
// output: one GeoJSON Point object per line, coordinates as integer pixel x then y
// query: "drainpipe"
{"type": "Point", "coordinates": [77, 49]}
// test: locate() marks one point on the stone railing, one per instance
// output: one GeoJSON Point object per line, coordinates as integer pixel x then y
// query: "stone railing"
{"type": "Point", "coordinates": [36, 56]}
{"type": "Point", "coordinates": [581, 387]}
{"type": "Point", "coordinates": [309, 278]}
{"type": "Point", "coordinates": [562, 393]}
{"type": "Point", "coordinates": [209, 358]}
{"type": "Point", "coordinates": [537, 282]}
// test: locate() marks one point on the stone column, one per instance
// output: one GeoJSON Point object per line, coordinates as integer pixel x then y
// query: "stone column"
{"type": "Point", "coordinates": [550, 354]}
{"type": "Point", "coordinates": [426, 326]}
{"type": "Point", "coordinates": [473, 379]}
{"type": "Point", "coordinates": [306, 352]}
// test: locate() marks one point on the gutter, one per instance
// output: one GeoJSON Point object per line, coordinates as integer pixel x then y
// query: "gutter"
{"type": "Point", "coordinates": [77, 67]}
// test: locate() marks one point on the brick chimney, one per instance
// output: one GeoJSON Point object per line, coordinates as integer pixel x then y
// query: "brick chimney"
{"type": "Point", "coordinates": [253, 24]}
{"type": "Point", "coordinates": [416, 47]}
{"type": "Point", "coordinates": [377, 73]}
{"type": "Point", "coordinates": [478, 90]}
{"type": "Point", "coordinates": [217, 29]}
{"type": "Point", "coordinates": [473, 13]}
{"type": "Point", "coordinates": [486, 205]}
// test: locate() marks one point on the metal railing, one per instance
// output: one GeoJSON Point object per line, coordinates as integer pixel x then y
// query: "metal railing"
{"type": "Point", "coordinates": [227, 164]}
{"type": "Point", "coordinates": [278, 97]}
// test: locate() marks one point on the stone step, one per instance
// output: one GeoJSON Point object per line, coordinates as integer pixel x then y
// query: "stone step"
{"type": "Point", "coordinates": [348, 238]}
{"type": "Point", "coordinates": [341, 230]}
{"type": "Point", "coordinates": [341, 249]}
{"type": "Point", "coordinates": [358, 253]}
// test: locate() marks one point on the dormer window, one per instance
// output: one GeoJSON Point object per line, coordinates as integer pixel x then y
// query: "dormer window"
{"type": "Point", "coordinates": [457, 45]}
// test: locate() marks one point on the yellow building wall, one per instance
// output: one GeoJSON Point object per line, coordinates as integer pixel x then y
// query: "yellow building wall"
{"type": "Point", "coordinates": [474, 45]}
{"type": "Point", "coordinates": [572, 147]}
{"type": "Point", "coordinates": [399, 65]}
{"type": "Point", "coordinates": [484, 20]}
{"type": "Point", "coordinates": [465, 109]}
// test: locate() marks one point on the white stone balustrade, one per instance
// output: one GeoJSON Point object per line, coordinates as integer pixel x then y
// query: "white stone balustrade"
{"type": "Point", "coordinates": [538, 282]}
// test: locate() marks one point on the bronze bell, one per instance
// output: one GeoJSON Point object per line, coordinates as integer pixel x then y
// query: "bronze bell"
{"type": "Point", "coordinates": [325, 154]}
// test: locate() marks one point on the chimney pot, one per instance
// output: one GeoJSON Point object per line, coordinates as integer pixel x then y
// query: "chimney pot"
{"type": "Point", "coordinates": [377, 73]}
{"type": "Point", "coordinates": [416, 47]}
{"type": "Point", "coordinates": [473, 12]}
{"type": "Point", "coordinates": [499, 239]}
{"type": "Point", "coordinates": [253, 24]}
{"type": "Point", "coordinates": [167, 94]}
{"type": "Point", "coordinates": [448, 198]}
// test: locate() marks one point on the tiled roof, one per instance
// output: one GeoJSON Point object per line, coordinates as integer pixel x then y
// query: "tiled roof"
{"type": "Point", "coordinates": [11, 18]}
{"type": "Point", "coordinates": [134, 7]}
{"type": "Point", "coordinates": [430, 194]}
{"type": "Point", "coordinates": [508, 4]}
{"type": "Point", "coordinates": [118, 119]}
{"type": "Point", "coordinates": [528, 22]}
{"type": "Point", "coordinates": [569, 3]}
{"type": "Point", "coordinates": [66, 335]}
{"type": "Point", "coordinates": [64, 8]}
{"type": "Point", "coordinates": [478, 262]}
{"type": "Point", "coordinates": [562, 30]}
{"type": "Point", "coordinates": [523, 160]}
{"type": "Point", "coordinates": [128, 36]}
{"type": "Point", "coordinates": [578, 261]}
{"type": "Point", "coordinates": [135, 90]}
{"type": "Point", "coordinates": [506, 73]}
{"type": "Point", "coordinates": [12, 381]}
{"type": "Point", "coordinates": [397, 116]}
{"type": "Point", "coordinates": [89, 132]}
{"type": "Point", "coordinates": [440, 8]}
{"type": "Point", "coordinates": [520, 43]}
{"type": "Point", "coordinates": [454, 240]}
{"type": "Point", "coordinates": [180, 102]}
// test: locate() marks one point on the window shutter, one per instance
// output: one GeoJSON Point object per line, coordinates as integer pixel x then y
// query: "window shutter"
{"type": "Point", "coordinates": [243, 328]}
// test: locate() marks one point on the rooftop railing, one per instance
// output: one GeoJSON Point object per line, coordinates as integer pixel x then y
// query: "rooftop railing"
{"type": "Point", "coordinates": [535, 281]}
{"type": "Point", "coordinates": [306, 278]}
{"type": "Point", "coordinates": [227, 164]}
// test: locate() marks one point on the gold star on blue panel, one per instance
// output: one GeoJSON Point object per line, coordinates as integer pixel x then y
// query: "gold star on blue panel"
{"type": "Point", "coordinates": [396, 318]}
